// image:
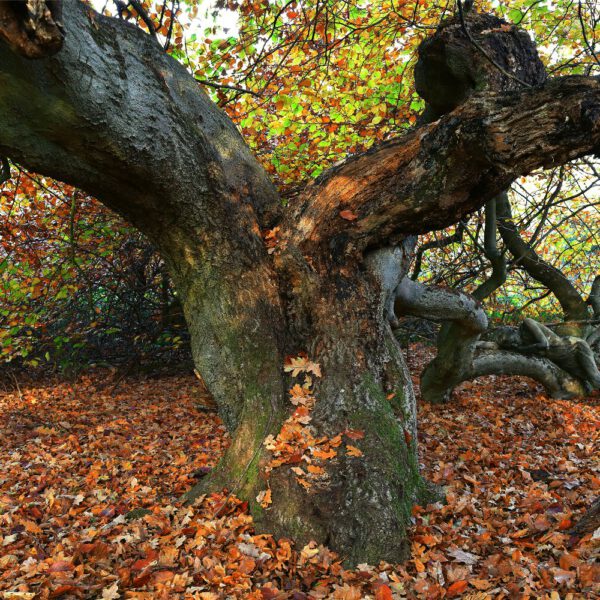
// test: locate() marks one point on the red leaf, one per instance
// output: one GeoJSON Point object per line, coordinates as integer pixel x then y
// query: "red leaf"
{"type": "Point", "coordinates": [61, 590]}
{"type": "Point", "coordinates": [566, 523]}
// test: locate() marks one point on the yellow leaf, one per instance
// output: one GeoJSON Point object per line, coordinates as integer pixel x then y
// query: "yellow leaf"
{"type": "Point", "coordinates": [353, 451]}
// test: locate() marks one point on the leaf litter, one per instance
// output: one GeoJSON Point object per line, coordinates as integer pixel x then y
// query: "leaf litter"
{"type": "Point", "coordinates": [90, 481]}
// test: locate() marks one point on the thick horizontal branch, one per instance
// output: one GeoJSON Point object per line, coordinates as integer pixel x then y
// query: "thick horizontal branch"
{"type": "Point", "coordinates": [436, 174]}
{"type": "Point", "coordinates": [444, 304]}
{"type": "Point", "coordinates": [558, 383]}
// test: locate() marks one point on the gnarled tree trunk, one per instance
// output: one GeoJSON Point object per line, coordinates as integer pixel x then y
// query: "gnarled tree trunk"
{"type": "Point", "coordinates": [110, 113]}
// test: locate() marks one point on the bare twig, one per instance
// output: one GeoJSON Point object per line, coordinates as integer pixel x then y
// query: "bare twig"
{"type": "Point", "coordinates": [589, 46]}
{"type": "Point", "coordinates": [234, 88]}
{"type": "Point", "coordinates": [141, 11]}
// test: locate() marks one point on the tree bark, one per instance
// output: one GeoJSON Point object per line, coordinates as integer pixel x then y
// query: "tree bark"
{"type": "Point", "coordinates": [32, 28]}
{"type": "Point", "coordinates": [558, 383]}
{"type": "Point", "coordinates": [463, 324]}
{"type": "Point", "coordinates": [112, 114]}
{"type": "Point", "coordinates": [589, 522]}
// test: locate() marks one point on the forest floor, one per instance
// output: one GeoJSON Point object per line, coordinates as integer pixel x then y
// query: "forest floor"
{"type": "Point", "coordinates": [75, 458]}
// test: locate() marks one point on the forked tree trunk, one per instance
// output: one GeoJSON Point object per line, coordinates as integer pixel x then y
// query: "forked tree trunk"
{"type": "Point", "coordinates": [112, 114]}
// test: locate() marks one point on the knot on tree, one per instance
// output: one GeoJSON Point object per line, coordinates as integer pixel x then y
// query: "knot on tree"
{"type": "Point", "coordinates": [32, 28]}
{"type": "Point", "coordinates": [480, 53]}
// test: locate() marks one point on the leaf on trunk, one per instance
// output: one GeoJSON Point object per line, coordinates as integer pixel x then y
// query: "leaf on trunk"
{"type": "Point", "coordinates": [299, 364]}
{"type": "Point", "coordinates": [354, 434]}
{"type": "Point", "coordinates": [324, 454]}
{"type": "Point", "coordinates": [264, 498]}
{"type": "Point", "coordinates": [348, 215]}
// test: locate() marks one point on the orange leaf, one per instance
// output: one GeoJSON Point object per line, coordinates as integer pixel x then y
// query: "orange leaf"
{"type": "Point", "coordinates": [61, 565]}
{"type": "Point", "coordinates": [567, 561]}
{"type": "Point", "coordinates": [264, 498]}
{"type": "Point", "coordinates": [336, 441]}
{"type": "Point", "coordinates": [61, 590]}
{"type": "Point", "coordinates": [163, 576]}
{"type": "Point", "coordinates": [348, 215]}
{"type": "Point", "coordinates": [353, 451]}
{"type": "Point", "coordinates": [324, 454]}
{"type": "Point", "coordinates": [315, 470]}
{"type": "Point", "coordinates": [457, 588]}
{"type": "Point", "coordinates": [383, 592]}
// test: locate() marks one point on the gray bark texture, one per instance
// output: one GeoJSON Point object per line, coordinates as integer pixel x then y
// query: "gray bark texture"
{"type": "Point", "coordinates": [565, 364]}
{"type": "Point", "coordinates": [109, 112]}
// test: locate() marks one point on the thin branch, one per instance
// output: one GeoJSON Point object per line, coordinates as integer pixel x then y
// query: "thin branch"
{"type": "Point", "coordinates": [589, 46]}
{"type": "Point", "coordinates": [174, 11]}
{"type": "Point", "coordinates": [455, 238]}
{"type": "Point", "coordinates": [235, 88]}
{"type": "Point", "coordinates": [141, 11]}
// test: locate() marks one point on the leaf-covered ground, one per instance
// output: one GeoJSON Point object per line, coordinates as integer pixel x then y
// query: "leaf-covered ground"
{"type": "Point", "coordinates": [75, 459]}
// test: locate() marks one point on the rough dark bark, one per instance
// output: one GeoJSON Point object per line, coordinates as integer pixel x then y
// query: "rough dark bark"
{"type": "Point", "coordinates": [449, 70]}
{"type": "Point", "coordinates": [446, 169]}
{"type": "Point", "coordinates": [32, 28]}
{"type": "Point", "coordinates": [112, 114]}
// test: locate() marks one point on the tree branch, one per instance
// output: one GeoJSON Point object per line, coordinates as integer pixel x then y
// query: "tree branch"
{"type": "Point", "coordinates": [573, 305]}
{"type": "Point", "coordinates": [491, 252]}
{"type": "Point", "coordinates": [436, 174]}
{"type": "Point", "coordinates": [455, 238]}
{"type": "Point", "coordinates": [558, 383]}
{"type": "Point", "coordinates": [594, 298]}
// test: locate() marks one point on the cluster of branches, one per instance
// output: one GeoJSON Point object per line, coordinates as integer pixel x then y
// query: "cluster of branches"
{"type": "Point", "coordinates": [562, 355]}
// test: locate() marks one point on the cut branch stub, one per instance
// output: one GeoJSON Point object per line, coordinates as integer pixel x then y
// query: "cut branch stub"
{"type": "Point", "coordinates": [32, 28]}
{"type": "Point", "coordinates": [450, 67]}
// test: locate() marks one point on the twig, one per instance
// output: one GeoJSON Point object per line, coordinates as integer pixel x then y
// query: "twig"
{"type": "Point", "coordinates": [228, 87]}
{"type": "Point", "coordinates": [171, 22]}
{"type": "Point", "coordinates": [589, 46]}
{"type": "Point", "coordinates": [141, 11]}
